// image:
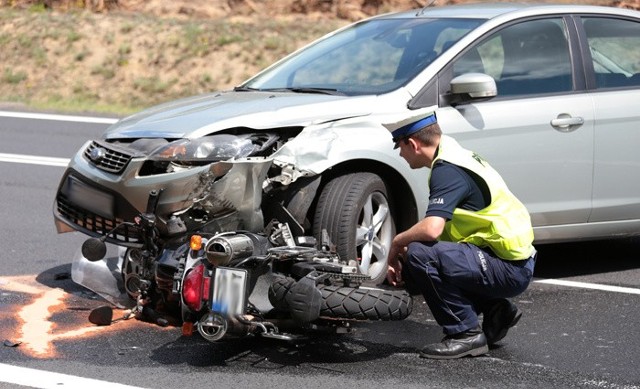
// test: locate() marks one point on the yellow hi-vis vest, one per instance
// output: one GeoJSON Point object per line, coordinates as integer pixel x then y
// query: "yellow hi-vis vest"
{"type": "Point", "coordinates": [504, 225]}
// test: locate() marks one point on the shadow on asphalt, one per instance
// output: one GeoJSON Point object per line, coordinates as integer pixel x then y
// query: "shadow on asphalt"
{"type": "Point", "coordinates": [268, 354]}
{"type": "Point", "coordinates": [60, 277]}
{"type": "Point", "coordinates": [584, 258]}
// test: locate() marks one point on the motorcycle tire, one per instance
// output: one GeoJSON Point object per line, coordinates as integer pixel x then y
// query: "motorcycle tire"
{"type": "Point", "coordinates": [365, 303]}
{"type": "Point", "coordinates": [348, 302]}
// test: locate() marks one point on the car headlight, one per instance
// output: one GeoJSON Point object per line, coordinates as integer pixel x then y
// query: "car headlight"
{"type": "Point", "coordinates": [212, 148]}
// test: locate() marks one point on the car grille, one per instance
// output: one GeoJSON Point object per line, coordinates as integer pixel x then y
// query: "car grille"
{"type": "Point", "coordinates": [106, 159]}
{"type": "Point", "coordinates": [124, 234]}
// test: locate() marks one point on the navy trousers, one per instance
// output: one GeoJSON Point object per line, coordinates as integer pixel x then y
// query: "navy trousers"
{"type": "Point", "coordinates": [460, 280]}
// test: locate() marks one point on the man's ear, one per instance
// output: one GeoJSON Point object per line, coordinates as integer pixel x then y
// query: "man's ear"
{"type": "Point", "coordinates": [415, 145]}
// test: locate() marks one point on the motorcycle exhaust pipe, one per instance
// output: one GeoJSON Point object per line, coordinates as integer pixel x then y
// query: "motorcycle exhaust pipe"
{"type": "Point", "coordinates": [223, 249]}
{"type": "Point", "coordinates": [212, 326]}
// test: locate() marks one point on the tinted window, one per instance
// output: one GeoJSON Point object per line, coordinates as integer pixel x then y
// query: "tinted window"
{"type": "Point", "coordinates": [615, 51]}
{"type": "Point", "coordinates": [526, 58]}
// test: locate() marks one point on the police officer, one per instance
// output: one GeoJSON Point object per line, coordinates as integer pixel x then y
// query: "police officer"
{"type": "Point", "coordinates": [473, 249]}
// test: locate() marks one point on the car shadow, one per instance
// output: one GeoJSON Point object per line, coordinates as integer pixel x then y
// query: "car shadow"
{"type": "Point", "coordinates": [584, 258]}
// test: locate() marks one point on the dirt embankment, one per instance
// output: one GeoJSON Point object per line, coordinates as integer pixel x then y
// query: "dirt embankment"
{"type": "Point", "coordinates": [119, 56]}
{"type": "Point", "coordinates": [344, 9]}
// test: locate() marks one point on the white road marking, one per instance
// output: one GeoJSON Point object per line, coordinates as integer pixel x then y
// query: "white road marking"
{"type": "Point", "coordinates": [587, 285]}
{"type": "Point", "coordinates": [63, 118]}
{"type": "Point", "coordinates": [34, 159]}
{"type": "Point", "coordinates": [48, 380]}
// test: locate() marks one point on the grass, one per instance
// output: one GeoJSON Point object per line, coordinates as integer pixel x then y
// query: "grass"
{"type": "Point", "coordinates": [13, 78]}
{"type": "Point", "coordinates": [119, 63]}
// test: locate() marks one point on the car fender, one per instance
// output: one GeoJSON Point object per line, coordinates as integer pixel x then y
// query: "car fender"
{"type": "Point", "coordinates": [325, 146]}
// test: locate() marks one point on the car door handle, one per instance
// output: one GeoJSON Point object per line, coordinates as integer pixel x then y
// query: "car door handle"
{"type": "Point", "coordinates": [567, 123]}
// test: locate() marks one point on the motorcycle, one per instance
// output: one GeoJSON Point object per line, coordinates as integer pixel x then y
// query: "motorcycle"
{"type": "Point", "coordinates": [233, 284]}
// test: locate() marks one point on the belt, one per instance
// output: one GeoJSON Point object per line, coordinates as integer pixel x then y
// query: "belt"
{"type": "Point", "coordinates": [522, 262]}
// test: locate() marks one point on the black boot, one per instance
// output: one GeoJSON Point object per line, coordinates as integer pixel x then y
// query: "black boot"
{"type": "Point", "coordinates": [498, 318]}
{"type": "Point", "coordinates": [470, 342]}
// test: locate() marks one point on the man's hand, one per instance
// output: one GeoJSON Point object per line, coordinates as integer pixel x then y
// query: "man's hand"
{"type": "Point", "coordinates": [426, 230]}
{"type": "Point", "coordinates": [394, 271]}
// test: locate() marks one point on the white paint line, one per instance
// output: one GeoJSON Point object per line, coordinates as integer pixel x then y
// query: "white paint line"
{"type": "Point", "coordinates": [63, 118]}
{"type": "Point", "coordinates": [34, 159]}
{"type": "Point", "coordinates": [49, 380]}
{"type": "Point", "coordinates": [586, 285]}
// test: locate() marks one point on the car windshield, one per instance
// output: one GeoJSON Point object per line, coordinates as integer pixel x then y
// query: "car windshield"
{"type": "Point", "coordinates": [371, 57]}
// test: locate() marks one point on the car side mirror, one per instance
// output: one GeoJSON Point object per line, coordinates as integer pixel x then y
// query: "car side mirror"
{"type": "Point", "coordinates": [472, 86]}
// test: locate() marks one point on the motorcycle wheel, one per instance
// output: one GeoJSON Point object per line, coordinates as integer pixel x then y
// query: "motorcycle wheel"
{"type": "Point", "coordinates": [344, 302]}
{"type": "Point", "coordinates": [365, 303]}
{"type": "Point", "coordinates": [354, 210]}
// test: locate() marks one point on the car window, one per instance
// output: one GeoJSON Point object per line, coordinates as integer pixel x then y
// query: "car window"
{"type": "Point", "coordinates": [526, 58]}
{"type": "Point", "coordinates": [372, 57]}
{"type": "Point", "coordinates": [615, 51]}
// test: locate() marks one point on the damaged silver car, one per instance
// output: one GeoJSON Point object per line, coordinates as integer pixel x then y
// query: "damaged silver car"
{"type": "Point", "coordinates": [531, 88]}
{"type": "Point", "coordinates": [239, 178]}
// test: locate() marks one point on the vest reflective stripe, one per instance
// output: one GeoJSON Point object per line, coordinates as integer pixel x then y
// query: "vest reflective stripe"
{"type": "Point", "coordinates": [504, 225]}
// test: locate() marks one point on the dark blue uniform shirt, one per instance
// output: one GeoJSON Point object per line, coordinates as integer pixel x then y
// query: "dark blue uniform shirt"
{"type": "Point", "coordinates": [453, 187]}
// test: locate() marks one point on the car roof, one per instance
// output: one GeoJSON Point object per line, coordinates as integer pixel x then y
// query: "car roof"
{"type": "Point", "coordinates": [492, 10]}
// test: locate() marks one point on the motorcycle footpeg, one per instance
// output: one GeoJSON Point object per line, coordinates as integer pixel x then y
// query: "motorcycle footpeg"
{"type": "Point", "coordinates": [149, 315]}
{"type": "Point", "coordinates": [285, 337]}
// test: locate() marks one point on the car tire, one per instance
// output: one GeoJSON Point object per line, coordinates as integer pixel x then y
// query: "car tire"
{"type": "Point", "coordinates": [354, 210]}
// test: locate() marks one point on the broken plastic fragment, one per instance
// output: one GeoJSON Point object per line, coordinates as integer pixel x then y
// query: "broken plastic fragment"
{"type": "Point", "coordinates": [9, 343]}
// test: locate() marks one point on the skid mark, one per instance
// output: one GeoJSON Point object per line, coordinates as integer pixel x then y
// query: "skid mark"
{"type": "Point", "coordinates": [36, 329]}
{"type": "Point", "coordinates": [21, 284]}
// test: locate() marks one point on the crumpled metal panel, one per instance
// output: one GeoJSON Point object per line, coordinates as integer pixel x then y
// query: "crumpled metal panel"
{"type": "Point", "coordinates": [239, 191]}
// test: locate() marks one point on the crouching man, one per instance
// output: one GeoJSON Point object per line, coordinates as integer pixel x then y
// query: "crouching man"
{"type": "Point", "coordinates": [472, 250]}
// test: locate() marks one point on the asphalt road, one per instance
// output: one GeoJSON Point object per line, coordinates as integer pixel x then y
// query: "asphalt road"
{"type": "Point", "coordinates": [579, 328]}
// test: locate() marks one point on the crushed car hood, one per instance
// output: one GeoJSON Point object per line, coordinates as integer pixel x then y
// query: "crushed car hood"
{"type": "Point", "coordinates": [201, 115]}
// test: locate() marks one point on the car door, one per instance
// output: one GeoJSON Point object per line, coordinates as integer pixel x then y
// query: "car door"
{"type": "Point", "coordinates": [614, 80]}
{"type": "Point", "coordinates": [538, 131]}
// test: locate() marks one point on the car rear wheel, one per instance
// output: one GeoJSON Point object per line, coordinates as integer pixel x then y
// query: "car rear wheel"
{"type": "Point", "coordinates": [354, 210]}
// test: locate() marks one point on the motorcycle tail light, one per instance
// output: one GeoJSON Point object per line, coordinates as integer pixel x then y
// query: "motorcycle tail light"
{"type": "Point", "coordinates": [195, 288]}
{"type": "Point", "coordinates": [206, 285]}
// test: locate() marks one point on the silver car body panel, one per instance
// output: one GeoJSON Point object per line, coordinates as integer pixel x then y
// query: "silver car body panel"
{"type": "Point", "coordinates": [523, 146]}
{"type": "Point", "coordinates": [616, 187]}
{"type": "Point", "coordinates": [220, 111]}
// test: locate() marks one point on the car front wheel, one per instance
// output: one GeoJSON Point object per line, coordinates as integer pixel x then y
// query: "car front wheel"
{"type": "Point", "coordinates": [354, 210]}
